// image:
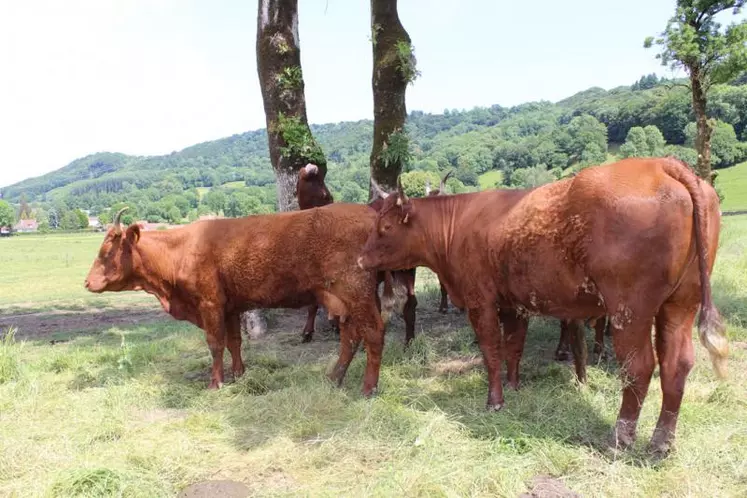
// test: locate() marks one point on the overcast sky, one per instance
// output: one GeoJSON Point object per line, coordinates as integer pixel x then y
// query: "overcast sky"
{"type": "Point", "coordinates": [152, 76]}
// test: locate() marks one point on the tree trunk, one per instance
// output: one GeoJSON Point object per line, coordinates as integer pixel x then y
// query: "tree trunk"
{"type": "Point", "coordinates": [703, 125]}
{"type": "Point", "coordinates": [292, 145]}
{"type": "Point", "coordinates": [393, 69]}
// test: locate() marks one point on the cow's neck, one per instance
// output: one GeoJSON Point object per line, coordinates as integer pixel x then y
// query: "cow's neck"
{"type": "Point", "coordinates": [155, 264]}
{"type": "Point", "coordinates": [435, 221]}
{"type": "Point", "coordinates": [444, 222]}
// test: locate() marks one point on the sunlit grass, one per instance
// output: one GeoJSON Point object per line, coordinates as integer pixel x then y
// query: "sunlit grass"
{"type": "Point", "coordinates": [125, 412]}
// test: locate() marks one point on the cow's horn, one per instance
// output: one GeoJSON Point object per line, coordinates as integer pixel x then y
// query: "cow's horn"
{"type": "Point", "coordinates": [379, 191]}
{"type": "Point", "coordinates": [401, 190]}
{"type": "Point", "coordinates": [117, 224]}
{"type": "Point", "coordinates": [443, 182]}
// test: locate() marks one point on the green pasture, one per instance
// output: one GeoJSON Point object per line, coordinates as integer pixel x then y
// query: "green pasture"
{"type": "Point", "coordinates": [123, 410]}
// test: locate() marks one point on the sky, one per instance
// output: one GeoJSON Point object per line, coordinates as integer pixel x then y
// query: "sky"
{"type": "Point", "coordinates": [147, 77]}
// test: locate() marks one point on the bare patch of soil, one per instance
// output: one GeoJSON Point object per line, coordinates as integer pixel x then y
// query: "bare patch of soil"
{"type": "Point", "coordinates": [39, 325]}
{"type": "Point", "coordinates": [549, 487]}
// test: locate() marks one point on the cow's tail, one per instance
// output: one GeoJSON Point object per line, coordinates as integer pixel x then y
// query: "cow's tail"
{"type": "Point", "coordinates": [710, 327]}
{"type": "Point", "coordinates": [387, 298]}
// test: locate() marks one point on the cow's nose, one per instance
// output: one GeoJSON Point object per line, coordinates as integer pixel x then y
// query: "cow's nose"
{"type": "Point", "coordinates": [86, 284]}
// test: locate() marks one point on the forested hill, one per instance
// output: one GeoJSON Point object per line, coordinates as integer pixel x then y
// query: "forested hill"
{"type": "Point", "coordinates": [527, 144]}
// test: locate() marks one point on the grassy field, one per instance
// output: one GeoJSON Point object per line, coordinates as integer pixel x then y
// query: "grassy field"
{"type": "Point", "coordinates": [47, 272]}
{"type": "Point", "coordinates": [490, 179]}
{"type": "Point", "coordinates": [733, 184]}
{"type": "Point", "coordinates": [122, 409]}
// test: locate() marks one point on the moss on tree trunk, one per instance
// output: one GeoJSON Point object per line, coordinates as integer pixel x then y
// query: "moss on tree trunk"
{"type": "Point", "coordinates": [292, 145]}
{"type": "Point", "coordinates": [703, 126]}
{"type": "Point", "coordinates": [393, 69]}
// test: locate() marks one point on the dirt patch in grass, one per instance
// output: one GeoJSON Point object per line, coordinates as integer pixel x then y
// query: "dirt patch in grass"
{"type": "Point", "coordinates": [548, 487]}
{"type": "Point", "coordinates": [43, 324]}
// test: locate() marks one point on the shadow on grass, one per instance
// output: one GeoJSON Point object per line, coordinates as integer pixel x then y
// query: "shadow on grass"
{"type": "Point", "coordinates": [280, 395]}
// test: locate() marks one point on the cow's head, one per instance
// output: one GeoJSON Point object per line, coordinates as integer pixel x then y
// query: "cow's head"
{"type": "Point", "coordinates": [310, 188]}
{"type": "Point", "coordinates": [390, 245]}
{"type": "Point", "coordinates": [112, 268]}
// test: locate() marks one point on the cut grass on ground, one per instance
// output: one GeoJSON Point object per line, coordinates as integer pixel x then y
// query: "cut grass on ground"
{"type": "Point", "coordinates": [125, 412]}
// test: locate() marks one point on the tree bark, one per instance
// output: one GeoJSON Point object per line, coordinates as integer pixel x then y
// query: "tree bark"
{"type": "Point", "coordinates": [393, 70]}
{"type": "Point", "coordinates": [703, 126]}
{"type": "Point", "coordinates": [291, 143]}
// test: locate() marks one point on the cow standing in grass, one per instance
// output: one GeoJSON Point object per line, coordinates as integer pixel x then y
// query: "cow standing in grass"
{"type": "Point", "coordinates": [211, 271]}
{"type": "Point", "coordinates": [311, 191]}
{"type": "Point", "coordinates": [635, 240]}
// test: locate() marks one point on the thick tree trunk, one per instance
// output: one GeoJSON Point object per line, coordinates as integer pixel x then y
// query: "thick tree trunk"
{"type": "Point", "coordinates": [393, 69]}
{"type": "Point", "coordinates": [292, 145]}
{"type": "Point", "coordinates": [703, 126]}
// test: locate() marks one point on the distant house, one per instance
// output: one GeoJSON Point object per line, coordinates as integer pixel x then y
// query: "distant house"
{"type": "Point", "coordinates": [145, 226]}
{"type": "Point", "coordinates": [4, 231]}
{"type": "Point", "coordinates": [93, 221]}
{"type": "Point", "coordinates": [26, 226]}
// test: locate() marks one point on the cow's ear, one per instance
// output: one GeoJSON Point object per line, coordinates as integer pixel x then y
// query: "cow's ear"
{"type": "Point", "coordinates": [133, 233]}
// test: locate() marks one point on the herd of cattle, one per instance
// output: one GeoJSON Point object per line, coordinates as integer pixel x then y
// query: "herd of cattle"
{"type": "Point", "coordinates": [627, 245]}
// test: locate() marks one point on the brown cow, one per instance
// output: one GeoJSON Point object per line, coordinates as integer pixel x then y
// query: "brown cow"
{"type": "Point", "coordinates": [632, 240]}
{"type": "Point", "coordinates": [444, 305]}
{"type": "Point", "coordinates": [311, 191]}
{"type": "Point", "coordinates": [210, 271]}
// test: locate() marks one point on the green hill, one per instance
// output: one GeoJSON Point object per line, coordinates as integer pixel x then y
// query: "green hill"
{"type": "Point", "coordinates": [482, 146]}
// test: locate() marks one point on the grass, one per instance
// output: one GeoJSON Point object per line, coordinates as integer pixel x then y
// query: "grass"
{"type": "Point", "coordinates": [733, 185]}
{"type": "Point", "coordinates": [47, 272]}
{"type": "Point", "coordinates": [125, 412]}
{"type": "Point", "coordinates": [201, 191]}
{"type": "Point", "coordinates": [491, 179]}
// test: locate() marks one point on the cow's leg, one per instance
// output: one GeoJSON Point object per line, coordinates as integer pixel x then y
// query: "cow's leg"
{"type": "Point", "coordinates": [563, 352]}
{"type": "Point", "coordinates": [635, 356]}
{"type": "Point", "coordinates": [674, 347]}
{"type": "Point", "coordinates": [371, 328]}
{"type": "Point", "coordinates": [409, 308]}
{"type": "Point", "coordinates": [444, 306]}
{"type": "Point", "coordinates": [514, 334]}
{"type": "Point", "coordinates": [233, 343]}
{"type": "Point", "coordinates": [213, 322]}
{"type": "Point", "coordinates": [484, 321]}
{"type": "Point", "coordinates": [599, 330]}
{"type": "Point", "coordinates": [577, 338]}
{"type": "Point", "coordinates": [349, 343]}
{"type": "Point", "coordinates": [308, 330]}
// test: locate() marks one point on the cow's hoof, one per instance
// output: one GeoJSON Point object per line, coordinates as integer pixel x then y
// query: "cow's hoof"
{"type": "Point", "coordinates": [494, 407]}
{"type": "Point", "coordinates": [215, 385]}
{"type": "Point", "coordinates": [623, 436]}
{"type": "Point", "coordinates": [661, 444]}
{"type": "Point", "coordinates": [562, 356]}
{"type": "Point", "coordinates": [370, 393]}
{"type": "Point", "coordinates": [306, 338]}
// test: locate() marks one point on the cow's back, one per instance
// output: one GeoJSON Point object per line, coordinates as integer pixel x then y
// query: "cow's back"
{"type": "Point", "coordinates": [626, 226]}
{"type": "Point", "coordinates": [283, 258]}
